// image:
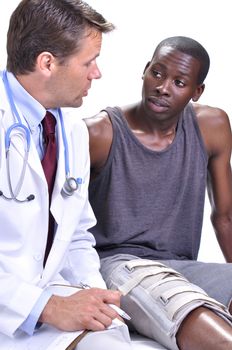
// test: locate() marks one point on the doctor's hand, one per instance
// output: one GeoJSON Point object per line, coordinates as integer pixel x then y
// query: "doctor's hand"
{"type": "Point", "coordinates": [85, 310]}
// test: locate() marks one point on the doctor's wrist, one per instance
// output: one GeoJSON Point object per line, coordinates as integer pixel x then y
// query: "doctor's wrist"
{"type": "Point", "coordinates": [49, 311]}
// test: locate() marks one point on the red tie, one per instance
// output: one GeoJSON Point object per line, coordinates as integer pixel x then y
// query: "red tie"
{"type": "Point", "coordinates": [49, 164]}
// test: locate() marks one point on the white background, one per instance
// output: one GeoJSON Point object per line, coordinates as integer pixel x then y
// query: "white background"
{"type": "Point", "coordinates": [141, 25]}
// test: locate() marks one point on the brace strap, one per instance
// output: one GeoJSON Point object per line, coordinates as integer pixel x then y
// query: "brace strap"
{"type": "Point", "coordinates": [137, 278]}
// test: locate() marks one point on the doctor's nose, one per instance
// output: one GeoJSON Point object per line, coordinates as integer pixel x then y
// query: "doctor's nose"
{"type": "Point", "coordinates": [95, 73]}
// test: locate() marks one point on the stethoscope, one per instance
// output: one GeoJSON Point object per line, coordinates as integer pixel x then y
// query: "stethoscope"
{"type": "Point", "coordinates": [71, 184]}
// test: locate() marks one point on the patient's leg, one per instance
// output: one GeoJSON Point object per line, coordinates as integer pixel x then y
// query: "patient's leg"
{"type": "Point", "coordinates": [204, 330]}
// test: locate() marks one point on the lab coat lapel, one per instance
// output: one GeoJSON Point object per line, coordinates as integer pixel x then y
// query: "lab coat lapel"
{"type": "Point", "coordinates": [63, 208]}
{"type": "Point", "coordinates": [62, 238]}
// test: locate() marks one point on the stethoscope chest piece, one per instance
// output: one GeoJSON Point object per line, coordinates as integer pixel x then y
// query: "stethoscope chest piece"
{"type": "Point", "coordinates": [70, 186]}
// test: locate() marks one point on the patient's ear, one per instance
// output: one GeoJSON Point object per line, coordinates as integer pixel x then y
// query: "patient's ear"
{"type": "Point", "coordinates": [147, 65]}
{"type": "Point", "coordinates": [198, 92]}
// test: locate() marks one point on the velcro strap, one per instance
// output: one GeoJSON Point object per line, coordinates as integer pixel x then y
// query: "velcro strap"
{"type": "Point", "coordinates": [138, 277]}
{"type": "Point", "coordinates": [167, 280]}
{"type": "Point", "coordinates": [165, 296]}
{"type": "Point", "coordinates": [130, 265]}
{"type": "Point", "coordinates": [176, 304]}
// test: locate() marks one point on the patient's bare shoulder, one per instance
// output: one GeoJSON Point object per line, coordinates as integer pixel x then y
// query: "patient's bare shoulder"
{"type": "Point", "coordinates": [100, 139]}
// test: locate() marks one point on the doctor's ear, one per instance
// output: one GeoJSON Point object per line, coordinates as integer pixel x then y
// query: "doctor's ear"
{"type": "Point", "coordinates": [45, 62]}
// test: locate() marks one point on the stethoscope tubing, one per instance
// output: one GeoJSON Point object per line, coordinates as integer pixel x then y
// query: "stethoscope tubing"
{"type": "Point", "coordinates": [71, 184]}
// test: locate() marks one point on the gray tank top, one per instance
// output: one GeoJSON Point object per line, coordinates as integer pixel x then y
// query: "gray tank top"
{"type": "Point", "coordinates": [150, 203]}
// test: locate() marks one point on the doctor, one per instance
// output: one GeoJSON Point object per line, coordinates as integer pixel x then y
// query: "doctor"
{"type": "Point", "coordinates": [52, 48]}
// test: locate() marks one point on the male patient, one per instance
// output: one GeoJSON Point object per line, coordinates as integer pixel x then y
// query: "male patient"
{"type": "Point", "coordinates": [150, 165]}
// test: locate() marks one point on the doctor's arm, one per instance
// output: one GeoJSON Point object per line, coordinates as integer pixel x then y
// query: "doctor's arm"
{"type": "Point", "coordinates": [86, 309]}
{"type": "Point", "coordinates": [82, 261]}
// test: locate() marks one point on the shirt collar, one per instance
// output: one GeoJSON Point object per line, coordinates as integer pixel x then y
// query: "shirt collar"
{"type": "Point", "coordinates": [32, 111]}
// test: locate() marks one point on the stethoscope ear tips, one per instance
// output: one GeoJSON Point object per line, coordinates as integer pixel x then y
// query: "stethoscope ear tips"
{"type": "Point", "coordinates": [70, 186]}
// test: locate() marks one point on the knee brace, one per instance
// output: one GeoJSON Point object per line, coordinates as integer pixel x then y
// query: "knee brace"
{"type": "Point", "coordinates": [172, 293]}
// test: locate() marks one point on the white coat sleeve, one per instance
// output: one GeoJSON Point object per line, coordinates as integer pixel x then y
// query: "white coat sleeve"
{"type": "Point", "coordinates": [82, 264]}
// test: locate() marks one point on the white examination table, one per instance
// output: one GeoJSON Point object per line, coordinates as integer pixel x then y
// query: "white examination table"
{"type": "Point", "coordinates": [141, 343]}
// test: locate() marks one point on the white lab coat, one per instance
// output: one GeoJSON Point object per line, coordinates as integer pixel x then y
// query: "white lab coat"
{"type": "Point", "coordinates": [23, 226]}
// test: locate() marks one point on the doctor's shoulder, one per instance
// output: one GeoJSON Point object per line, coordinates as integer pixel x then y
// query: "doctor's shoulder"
{"type": "Point", "coordinates": [75, 125]}
{"type": "Point", "coordinates": [4, 103]}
